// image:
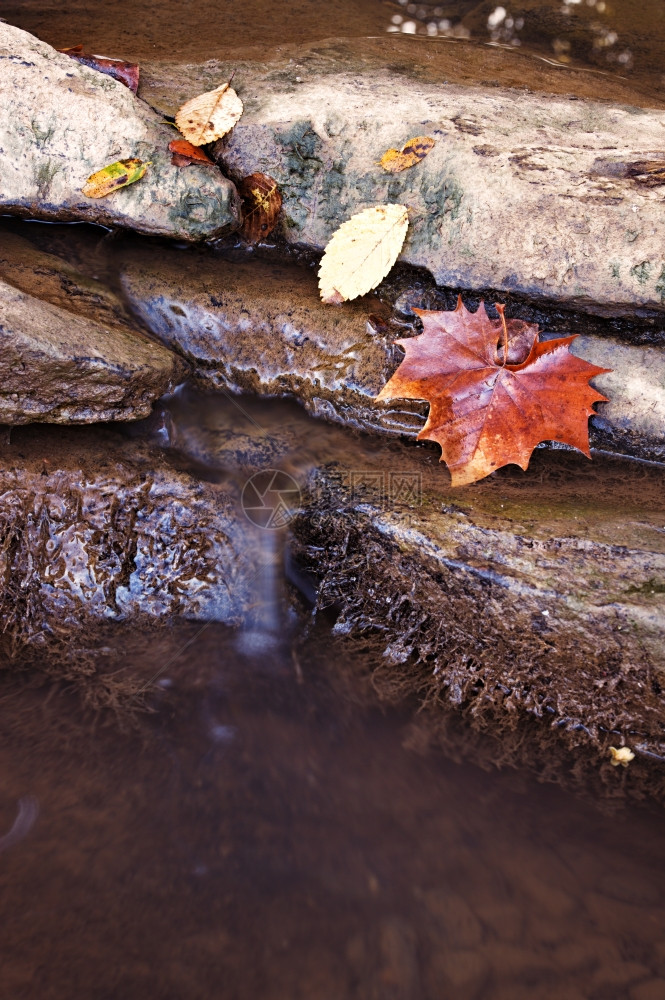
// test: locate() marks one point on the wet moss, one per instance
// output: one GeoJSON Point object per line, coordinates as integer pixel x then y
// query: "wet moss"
{"type": "Point", "coordinates": [648, 589]}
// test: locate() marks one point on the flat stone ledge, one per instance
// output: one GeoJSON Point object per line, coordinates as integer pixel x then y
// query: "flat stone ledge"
{"type": "Point", "coordinates": [260, 327]}
{"type": "Point", "coordinates": [58, 367]}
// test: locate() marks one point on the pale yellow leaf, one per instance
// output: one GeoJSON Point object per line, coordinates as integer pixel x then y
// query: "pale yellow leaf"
{"type": "Point", "coordinates": [209, 116]}
{"type": "Point", "coordinates": [361, 252]}
{"type": "Point", "coordinates": [622, 756]}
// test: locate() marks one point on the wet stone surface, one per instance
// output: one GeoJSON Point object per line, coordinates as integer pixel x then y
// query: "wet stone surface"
{"type": "Point", "coordinates": [59, 367]}
{"type": "Point", "coordinates": [96, 526]}
{"type": "Point", "coordinates": [260, 326]}
{"type": "Point", "coordinates": [522, 595]}
{"type": "Point", "coordinates": [525, 595]}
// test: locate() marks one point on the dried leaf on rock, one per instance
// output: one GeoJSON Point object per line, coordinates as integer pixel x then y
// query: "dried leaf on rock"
{"type": "Point", "coordinates": [125, 72]}
{"type": "Point", "coordinates": [621, 757]}
{"type": "Point", "coordinates": [262, 203]}
{"type": "Point", "coordinates": [412, 152]}
{"type": "Point", "coordinates": [485, 414]}
{"type": "Point", "coordinates": [184, 154]}
{"type": "Point", "coordinates": [361, 252]}
{"type": "Point", "coordinates": [209, 116]}
{"type": "Point", "coordinates": [114, 176]}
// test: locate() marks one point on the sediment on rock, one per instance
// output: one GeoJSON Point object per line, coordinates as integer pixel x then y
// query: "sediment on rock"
{"type": "Point", "coordinates": [64, 121]}
{"type": "Point", "coordinates": [509, 599]}
{"type": "Point", "coordinates": [95, 527]}
{"type": "Point", "coordinates": [260, 327]}
{"type": "Point", "coordinates": [58, 367]}
{"type": "Point", "coordinates": [523, 597]}
{"type": "Point", "coordinates": [166, 84]}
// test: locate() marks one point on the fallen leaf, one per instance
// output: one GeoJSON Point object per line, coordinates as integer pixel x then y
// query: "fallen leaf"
{"type": "Point", "coordinates": [125, 72]}
{"type": "Point", "coordinates": [209, 116]}
{"type": "Point", "coordinates": [184, 154]}
{"type": "Point", "coordinates": [262, 203]}
{"type": "Point", "coordinates": [361, 252]}
{"type": "Point", "coordinates": [412, 152]}
{"type": "Point", "coordinates": [114, 176]}
{"type": "Point", "coordinates": [485, 414]}
{"type": "Point", "coordinates": [622, 756]}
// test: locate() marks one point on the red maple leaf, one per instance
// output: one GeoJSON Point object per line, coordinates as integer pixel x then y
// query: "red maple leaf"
{"type": "Point", "coordinates": [486, 413]}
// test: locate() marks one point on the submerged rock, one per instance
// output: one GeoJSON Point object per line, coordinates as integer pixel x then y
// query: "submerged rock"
{"type": "Point", "coordinates": [52, 279]}
{"type": "Point", "coordinates": [525, 596]}
{"type": "Point", "coordinates": [65, 121]}
{"type": "Point", "coordinates": [94, 526]}
{"type": "Point", "coordinates": [58, 367]}
{"type": "Point", "coordinates": [261, 327]}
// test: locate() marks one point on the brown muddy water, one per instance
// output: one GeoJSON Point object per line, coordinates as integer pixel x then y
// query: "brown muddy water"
{"type": "Point", "coordinates": [610, 38]}
{"type": "Point", "coordinates": [260, 826]}
{"type": "Point", "coordinates": [265, 832]}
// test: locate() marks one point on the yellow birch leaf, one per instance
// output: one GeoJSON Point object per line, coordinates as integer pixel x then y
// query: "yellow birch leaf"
{"type": "Point", "coordinates": [361, 252]}
{"type": "Point", "coordinates": [114, 176]}
{"type": "Point", "coordinates": [209, 116]}
{"type": "Point", "coordinates": [412, 152]}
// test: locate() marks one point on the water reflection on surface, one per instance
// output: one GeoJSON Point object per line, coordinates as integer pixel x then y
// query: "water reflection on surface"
{"type": "Point", "coordinates": [266, 832]}
{"type": "Point", "coordinates": [614, 36]}
{"type": "Point", "coordinates": [619, 37]}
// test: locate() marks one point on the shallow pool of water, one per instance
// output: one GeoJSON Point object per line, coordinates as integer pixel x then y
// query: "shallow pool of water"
{"type": "Point", "coordinates": [249, 820]}
{"type": "Point", "coordinates": [267, 832]}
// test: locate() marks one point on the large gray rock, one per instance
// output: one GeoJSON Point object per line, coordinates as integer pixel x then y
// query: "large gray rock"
{"type": "Point", "coordinates": [62, 122]}
{"type": "Point", "coordinates": [58, 367]}
{"type": "Point", "coordinates": [261, 327]}
{"type": "Point", "coordinates": [548, 196]}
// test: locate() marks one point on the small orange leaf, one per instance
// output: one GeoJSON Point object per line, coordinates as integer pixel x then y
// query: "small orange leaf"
{"type": "Point", "coordinates": [412, 152]}
{"type": "Point", "coordinates": [262, 203]}
{"type": "Point", "coordinates": [484, 413]}
{"type": "Point", "coordinates": [185, 153]}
